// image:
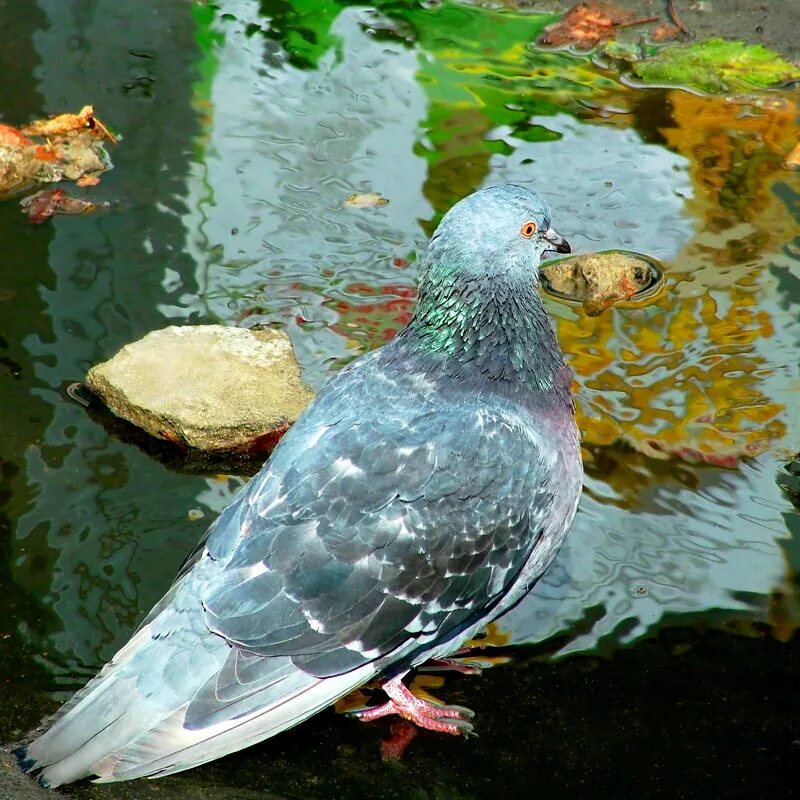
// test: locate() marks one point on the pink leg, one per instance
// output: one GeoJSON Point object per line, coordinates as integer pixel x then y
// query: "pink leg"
{"type": "Point", "coordinates": [450, 665]}
{"type": "Point", "coordinates": [432, 716]}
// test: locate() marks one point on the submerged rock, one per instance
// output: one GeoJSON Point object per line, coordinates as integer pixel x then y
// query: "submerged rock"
{"type": "Point", "coordinates": [598, 280]}
{"type": "Point", "coordinates": [209, 387]}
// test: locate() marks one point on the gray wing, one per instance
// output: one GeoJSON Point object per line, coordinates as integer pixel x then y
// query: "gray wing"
{"type": "Point", "coordinates": [377, 531]}
{"type": "Point", "coordinates": [368, 532]}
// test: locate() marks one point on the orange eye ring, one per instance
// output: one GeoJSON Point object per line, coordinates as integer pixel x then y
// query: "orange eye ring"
{"type": "Point", "coordinates": [528, 229]}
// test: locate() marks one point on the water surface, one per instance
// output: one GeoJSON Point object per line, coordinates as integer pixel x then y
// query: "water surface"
{"type": "Point", "coordinates": [659, 649]}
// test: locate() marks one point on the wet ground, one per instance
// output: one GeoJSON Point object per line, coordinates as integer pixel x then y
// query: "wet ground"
{"type": "Point", "coordinates": [658, 657]}
{"type": "Point", "coordinates": [774, 25]}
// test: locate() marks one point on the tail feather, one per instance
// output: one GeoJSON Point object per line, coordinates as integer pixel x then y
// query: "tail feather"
{"type": "Point", "coordinates": [175, 696]}
{"type": "Point", "coordinates": [164, 705]}
{"type": "Point", "coordinates": [93, 687]}
{"type": "Point", "coordinates": [172, 747]}
{"type": "Point", "coordinates": [97, 709]}
{"type": "Point", "coordinates": [122, 704]}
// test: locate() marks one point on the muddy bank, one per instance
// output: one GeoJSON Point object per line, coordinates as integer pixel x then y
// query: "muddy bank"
{"type": "Point", "coordinates": [773, 25]}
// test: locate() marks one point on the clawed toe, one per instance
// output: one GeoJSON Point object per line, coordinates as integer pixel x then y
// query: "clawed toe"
{"type": "Point", "coordinates": [449, 712]}
{"type": "Point", "coordinates": [458, 725]}
{"type": "Point", "coordinates": [423, 713]}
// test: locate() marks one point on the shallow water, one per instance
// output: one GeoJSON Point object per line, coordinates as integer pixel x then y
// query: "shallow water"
{"type": "Point", "coordinates": [246, 125]}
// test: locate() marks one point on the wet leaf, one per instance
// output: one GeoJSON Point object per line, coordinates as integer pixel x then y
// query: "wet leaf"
{"type": "Point", "coordinates": [367, 200]}
{"type": "Point", "coordinates": [87, 180]}
{"type": "Point", "coordinates": [663, 33]}
{"type": "Point", "coordinates": [66, 124]}
{"type": "Point", "coordinates": [11, 137]}
{"type": "Point", "coordinates": [586, 24]}
{"type": "Point", "coordinates": [45, 204]}
{"type": "Point", "coordinates": [65, 147]}
{"type": "Point", "coordinates": [717, 66]}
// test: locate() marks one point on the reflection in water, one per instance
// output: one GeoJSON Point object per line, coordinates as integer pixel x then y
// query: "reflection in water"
{"type": "Point", "coordinates": [261, 118]}
{"type": "Point", "coordinates": [683, 381]}
{"type": "Point", "coordinates": [692, 548]}
{"type": "Point", "coordinates": [88, 543]}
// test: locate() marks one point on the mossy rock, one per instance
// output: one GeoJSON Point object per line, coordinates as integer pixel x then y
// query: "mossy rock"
{"type": "Point", "coordinates": [717, 66]}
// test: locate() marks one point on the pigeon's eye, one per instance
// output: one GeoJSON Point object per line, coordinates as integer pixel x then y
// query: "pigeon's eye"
{"type": "Point", "coordinates": [528, 229]}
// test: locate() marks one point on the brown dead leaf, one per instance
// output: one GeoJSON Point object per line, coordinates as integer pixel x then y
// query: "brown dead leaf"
{"type": "Point", "coordinates": [64, 147]}
{"type": "Point", "coordinates": [45, 204]}
{"type": "Point", "coordinates": [588, 23]}
{"type": "Point", "coordinates": [66, 124]}
{"type": "Point", "coordinates": [793, 159]}
{"type": "Point", "coordinates": [367, 200]}
{"type": "Point", "coordinates": [665, 32]}
{"type": "Point", "coordinates": [11, 137]}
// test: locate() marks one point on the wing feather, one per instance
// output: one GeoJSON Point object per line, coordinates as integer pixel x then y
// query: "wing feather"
{"type": "Point", "coordinates": [401, 522]}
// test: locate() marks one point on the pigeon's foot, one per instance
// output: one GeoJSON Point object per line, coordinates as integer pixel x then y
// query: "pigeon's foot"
{"type": "Point", "coordinates": [451, 665]}
{"type": "Point", "coordinates": [423, 713]}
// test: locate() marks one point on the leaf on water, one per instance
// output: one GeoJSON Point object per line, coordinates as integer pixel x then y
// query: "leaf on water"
{"type": "Point", "coordinates": [586, 24]}
{"type": "Point", "coordinates": [45, 204]}
{"type": "Point", "coordinates": [66, 124]}
{"type": "Point", "coordinates": [11, 137]}
{"type": "Point", "coordinates": [665, 32]}
{"type": "Point", "coordinates": [717, 66]}
{"type": "Point", "coordinates": [367, 200]}
{"type": "Point", "coordinates": [64, 147]}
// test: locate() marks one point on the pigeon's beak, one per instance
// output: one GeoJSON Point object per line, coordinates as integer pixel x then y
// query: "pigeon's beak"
{"type": "Point", "coordinates": [556, 242]}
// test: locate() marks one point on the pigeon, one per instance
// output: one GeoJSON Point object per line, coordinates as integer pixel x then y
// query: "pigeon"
{"type": "Point", "coordinates": [420, 495]}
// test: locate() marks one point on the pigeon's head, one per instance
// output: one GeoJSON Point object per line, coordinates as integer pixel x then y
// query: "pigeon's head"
{"type": "Point", "coordinates": [495, 231]}
{"type": "Point", "coordinates": [477, 301]}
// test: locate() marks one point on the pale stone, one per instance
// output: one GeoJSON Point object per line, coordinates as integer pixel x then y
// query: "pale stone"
{"type": "Point", "coordinates": [209, 387]}
{"type": "Point", "coordinates": [598, 280]}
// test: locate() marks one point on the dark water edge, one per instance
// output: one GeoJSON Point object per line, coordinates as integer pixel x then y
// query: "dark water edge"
{"type": "Point", "coordinates": [683, 715]}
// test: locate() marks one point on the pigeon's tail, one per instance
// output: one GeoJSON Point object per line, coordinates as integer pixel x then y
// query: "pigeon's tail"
{"type": "Point", "coordinates": [172, 698]}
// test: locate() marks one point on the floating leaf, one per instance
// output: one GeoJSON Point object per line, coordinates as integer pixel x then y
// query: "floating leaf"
{"type": "Point", "coordinates": [367, 200]}
{"type": "Point", "coordinates": [665, 32]}
{"type": "Point", "coordinates": [11, 137]}
{"type": "Point", "coordinates": [69, 147]}
{"type": "Point", "coordinates": [588, 23]}
{"type": "Point", "coordinates": [717, 66]}
{"type": "Point", "coordinates": [45, 204]}
{"type": "Point", "coordinates": [66, 124]}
